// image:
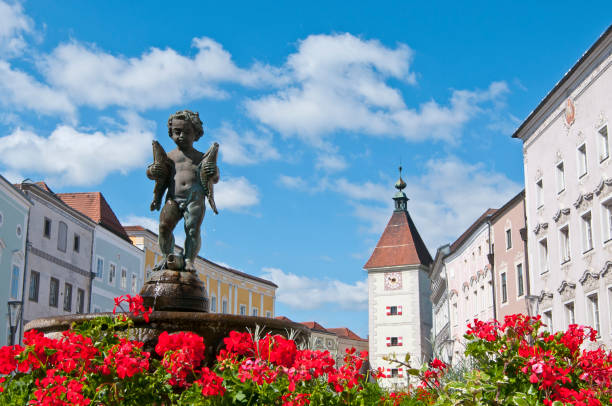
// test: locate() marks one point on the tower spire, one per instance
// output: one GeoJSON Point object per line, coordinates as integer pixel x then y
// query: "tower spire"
{"type": "Point", "coordinates": [401, 200]}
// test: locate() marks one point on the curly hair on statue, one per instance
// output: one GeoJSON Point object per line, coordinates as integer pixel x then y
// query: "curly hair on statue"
{"type": "Point", "coordinates": [187, 115]}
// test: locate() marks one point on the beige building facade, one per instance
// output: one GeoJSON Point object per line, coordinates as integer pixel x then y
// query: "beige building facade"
{"type": "Point", "coordinates": [568, 185]}
{"type": "Point", "coordinates": [230, 291]}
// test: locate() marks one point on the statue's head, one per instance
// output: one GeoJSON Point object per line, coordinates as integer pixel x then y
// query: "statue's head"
{"type": "Point", "coordinates": [189, 116]}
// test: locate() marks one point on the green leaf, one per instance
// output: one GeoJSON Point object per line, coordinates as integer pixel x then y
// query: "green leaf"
{"type": "Point", "coordinates": [413, 371]}
{"type": "Point", "coordinates": [407, 358]}
{"type": "Point", "coordinates": [519, 399]}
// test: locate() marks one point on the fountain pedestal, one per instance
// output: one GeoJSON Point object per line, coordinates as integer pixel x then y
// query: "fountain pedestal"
{"type": "Point", "coordinates": [171, 290]}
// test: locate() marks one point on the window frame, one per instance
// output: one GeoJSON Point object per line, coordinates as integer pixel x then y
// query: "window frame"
{"type": "Point", "coordinates": [54, 293]}
{"type": "Point", "coordinates": [255, 312]}
{"type": "Point", "coordinates": [31, 297]}
{"type": "Point", "coordinates": [112, 273]}
{"type": "Point", "coordinates": [566, 313]}
{"type": "Point", "coordinates": [565, 249]}
{"type": "Point", "coordinates": [15, 281]}
{"type": "Point", "coordinates": [47, 230]}
{"type": "Point", "coordinates": [503, 285]}
{"type": "Point", "coordinates": [67, 297]}
{"type": "Point", "coordinates": [593, 312]}
{"type": "Point", "coordinates": [80, 301]}
{"type": "Point", "coordinates": [603, 142]}
{"type": "Point", "coordinates": [99, 260]}
{"type": "Point", "coordinates": [606, 207]}
{"type": "Point", "coordinates": [508, 238]}
{"type": "Point", "coordinates": [62, 243]}
{"type": "Point", "coordinates": [243, 310]}
{"type": "Point", "coordinates": [582, 160]}
{"type": "Point", "coordinates": [550, 326]}
{"type": "Point", "coordinates": [583, 226]}
{"type": "Point", "coordinates": [76, 243]}
{"type": "Point", "coordinates": [539, 193]}
{"type": "Point", "coordinates": [123, 282]}
{"type": "Point", "coordinates": [560, 172]}
{"type": "Point", "coordinates": [213, 303]}
{"type": "Point", "coordinates": [520, 280]}
{"type": "Point", "coordinates": [546, 268]}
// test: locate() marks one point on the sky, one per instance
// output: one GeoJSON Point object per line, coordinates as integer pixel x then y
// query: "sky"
{"type": "Point", "coordinates": [314, 104]}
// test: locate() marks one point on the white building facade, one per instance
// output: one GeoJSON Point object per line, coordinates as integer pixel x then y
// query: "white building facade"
{"type": "Point", "coordinates": [470, 282]}
{"type": "Point", "coordinates": [58, 270]}
{"type": "Point", "coordinates": [400, 317]}
{"type": "Point", "coordinates": [568, 184]}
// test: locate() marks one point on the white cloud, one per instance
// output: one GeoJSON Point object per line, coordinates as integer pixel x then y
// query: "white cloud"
{"type": "Point", "coordinates": [292, 182]}
{"type": "Point", "coordinates": [246, 149]}
{"type": "Point", "coordinates": [450, 192]}
{"type": "Point", "coordinates": [19, 91]}
{"type": "Point", "coordinates": [330, 162]}
{"type": "Point", "coordinates": [69, 156]}
{"type": "Point", "coordinates": [158, 78]}
{"type": "Point", "coordinates": [340, 83]}
{"type": "Point", "coordinates": [13, 25]}
{"type": "Point", "coordinates": [294, 289]}
{"type": "Point", "coordinates": [235, 194]}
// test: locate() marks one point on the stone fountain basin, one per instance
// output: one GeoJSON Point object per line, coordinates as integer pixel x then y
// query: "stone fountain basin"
{"type": "Point", "coordinates": [213, 327]}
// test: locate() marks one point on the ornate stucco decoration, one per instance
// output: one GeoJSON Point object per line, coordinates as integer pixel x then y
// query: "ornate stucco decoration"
{"type": "Point", "coordinates": [472, 280]}
{"type": "Point", "coordinates": [601, 120]}
{"type": "Point", "coordinates": [538, 174]}
{"type": "Point", "coordinates": [561, 214]}
{"type": "Point", "coordinates": [584, 201]}
{"type": "Point", "coordinates": [588, 280]}
{"type": "Point", "coordinates": [545, 299]}
{"type": "Point", "coordinates": [567, 290]}
{"type": "Point", "coordinates": [540, 228]}
{"type": "Point", "coordinates": [570, 112]}
{"type": "Point", "coordinates": [465, 286]}
{"type": "Point", "coordinates": [606, 272]}
{"type": "Point", "coordinates": [454, 294]}
{"type": "Point", "coordinates": [604, 187]}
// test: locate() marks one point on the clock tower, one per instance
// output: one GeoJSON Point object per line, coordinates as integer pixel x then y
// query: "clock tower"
{"type": "Point", "coordinates": [400, 312]}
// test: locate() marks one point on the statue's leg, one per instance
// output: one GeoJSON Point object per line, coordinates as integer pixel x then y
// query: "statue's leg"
{"type": "Point", "coordinates": [169, 216]}
{"type": "Point", "coordinates": [194, 214]}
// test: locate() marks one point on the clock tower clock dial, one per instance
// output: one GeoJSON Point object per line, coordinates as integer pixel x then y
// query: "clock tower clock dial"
{"type": "Point", "coordinates": [393, 280]}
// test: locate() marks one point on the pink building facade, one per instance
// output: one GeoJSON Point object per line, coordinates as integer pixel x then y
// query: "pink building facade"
{"type": "Point", "coordinates": [510, 263]}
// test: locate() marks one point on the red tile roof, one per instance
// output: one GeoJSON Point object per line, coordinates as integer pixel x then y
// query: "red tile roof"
{"type": "Point", "coordinates": [400, 244]}
{"type": "Point", "coordinates": [345, 332]}
{"type": "Point", "coordinates": [283, 318]}
{"type": "Point", "coordinates": [313, 325]}
{"type": "Point", "coordinates": [94, 206]}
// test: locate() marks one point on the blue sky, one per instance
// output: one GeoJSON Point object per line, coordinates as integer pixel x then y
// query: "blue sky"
{"type": "Point", "coordinates": [314, 104]}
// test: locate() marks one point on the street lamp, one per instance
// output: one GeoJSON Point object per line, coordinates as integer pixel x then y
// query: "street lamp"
{"type": "Point", "coordinates": [14, 307]}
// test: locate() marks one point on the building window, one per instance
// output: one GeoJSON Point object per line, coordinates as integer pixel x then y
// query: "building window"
{"type": "Point", "coordinates": [15, 282]}
{"type": "Point", "coordinates": [519, 280]}
{"type": "Point", "coordinates": [539, 193]}
{"type": "Point", "coordinates": [587, 232]}
{"type": "Point", "coordinates": [543, 248]}
{"type": "Point", "coordinates": [99, 267]}
{"type": "Point", "coordinates": [607, 219]}
{"type": "Point", "coordinates": [243, 310]}
{"type": "Point", "coordinates": [394, 373]}
{"type": "Point", "coordinates": [47, 228]}
{"type": "Point", "coordinates": [62, 236]}
{"type": "Point", "coordinates": [560, 177]}
{"type": "Point", "coordinates": [224, 306]}
{"type": "Point", "coordinates": [504, 288]}
{"type": "Point", "coordinates": [77, 243]}
{"type": "Point", "coordinates": [548, 320]}
{"type": "Point", "coordinates": [570, 317]}
{"type": "Point", "coordinates": [1, 218]}
{"type": "Point", "coordinates": [213, 304]}
{"type": "Point", "coordinates": [508, 239]}
{"type": "Point", "coordinates": [67, 297]}
{"type": "Point", "coordinates": [394, 341]}
{"type": "Point", "coordinates": [593, 311]}
{"type": "Point", "coordinates": [134, 284]}
{"type": "Point", "coordinates": [53, 292]}
{"type": "Point", "coordinates": [255, 311]}
{"type": "Point", "coordinates": [123, 278]}
{"type": "Point", "coordinates": [80, 301]}
{"type": "Point", "coordinates": [604, 147]}
{"type": "Point", "coordinates": [34, 284]}
{"type": "Point", "coordinates": [268, 314]}
{"type": "Point", "coordinates": [392, 310]}
{"type": "Point", "coordinates": [18, 231]}
{"type": "Point", "coordinates": [111, 273]}
{"type": "Point", "coordinates": [582, 160]}
{"type": "Point", "coordinates": [564, 240]}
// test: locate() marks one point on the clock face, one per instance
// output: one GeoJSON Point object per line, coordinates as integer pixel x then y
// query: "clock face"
{"type": "Point", "coordinates": [393, 280]}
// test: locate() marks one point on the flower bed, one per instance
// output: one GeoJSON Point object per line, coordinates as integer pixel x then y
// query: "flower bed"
{"type": "Point", "coordinates": [96, 363]}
